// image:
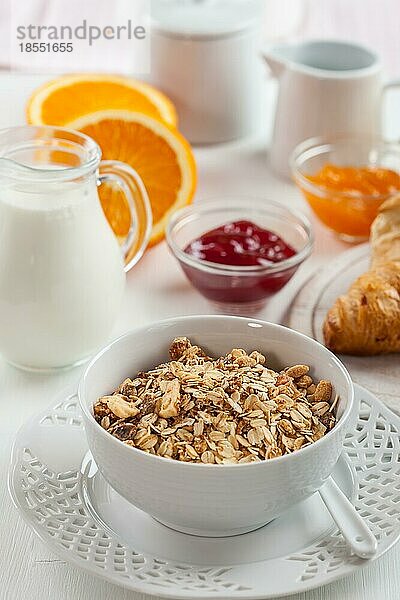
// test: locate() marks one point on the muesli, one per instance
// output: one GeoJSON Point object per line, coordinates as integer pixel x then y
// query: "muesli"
{"type": "Point", "coordinates": [231, 409]}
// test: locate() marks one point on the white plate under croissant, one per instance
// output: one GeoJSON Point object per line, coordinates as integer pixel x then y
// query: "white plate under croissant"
{"type": "Point", "coordinates": [317, 296]}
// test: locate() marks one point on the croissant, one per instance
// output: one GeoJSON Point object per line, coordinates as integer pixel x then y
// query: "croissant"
{"type": "Point", "coordinates": [366, 320]}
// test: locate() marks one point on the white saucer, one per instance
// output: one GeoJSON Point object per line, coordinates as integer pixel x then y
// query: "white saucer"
{"type": "Point", "coordinates": [56, 486]}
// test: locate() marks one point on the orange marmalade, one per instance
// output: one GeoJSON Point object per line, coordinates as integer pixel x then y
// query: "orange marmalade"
{"type": "Point", "coordinates": [348, 198]}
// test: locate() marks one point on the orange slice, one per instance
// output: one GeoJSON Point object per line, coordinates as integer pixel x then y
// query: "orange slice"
{"type": "Point", "coordinates": [158, 153]}
{"type": "Point", "coordinates": [70, 97]}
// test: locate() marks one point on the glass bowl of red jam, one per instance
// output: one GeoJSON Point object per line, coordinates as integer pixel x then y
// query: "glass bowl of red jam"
{"type": "Point", "coordinates": [239, 251]}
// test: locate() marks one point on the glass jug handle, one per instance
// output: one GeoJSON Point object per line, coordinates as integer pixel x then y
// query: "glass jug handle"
{"type": "Point", "coordinates": [132, 186]}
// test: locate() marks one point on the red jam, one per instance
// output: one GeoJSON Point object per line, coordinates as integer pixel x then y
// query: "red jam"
{"type": "Point", "coordinates": [241, 243]}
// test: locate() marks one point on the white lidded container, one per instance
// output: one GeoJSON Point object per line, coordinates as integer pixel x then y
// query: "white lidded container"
{"type": "Point", "coordinates": [205, 56]}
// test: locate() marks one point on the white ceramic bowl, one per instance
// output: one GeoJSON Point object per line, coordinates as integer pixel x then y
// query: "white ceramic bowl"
{"type": "Point", "coordinates": [213, 500]}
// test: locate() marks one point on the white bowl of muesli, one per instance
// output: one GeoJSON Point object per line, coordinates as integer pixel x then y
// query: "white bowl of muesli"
{"type": "Point", "coordinates": [215, 425]}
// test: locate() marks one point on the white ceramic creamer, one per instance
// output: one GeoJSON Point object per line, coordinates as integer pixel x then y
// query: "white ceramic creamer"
{"type": "Point", "coordinates": [61, 268]}
{"type": "Point", "coordinates": [326, 88]}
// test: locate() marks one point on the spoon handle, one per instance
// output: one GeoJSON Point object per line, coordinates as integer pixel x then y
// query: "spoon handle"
{"type": "Point", "coordinates": [352, 526]}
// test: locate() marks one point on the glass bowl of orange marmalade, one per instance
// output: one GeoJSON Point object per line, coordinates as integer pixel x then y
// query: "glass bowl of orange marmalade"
{"type": "Point", "coordinates": [345, 180]}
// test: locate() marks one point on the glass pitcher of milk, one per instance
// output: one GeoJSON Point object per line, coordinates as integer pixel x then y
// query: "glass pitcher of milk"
{"type": "Point", "coordinates": [62, 271]}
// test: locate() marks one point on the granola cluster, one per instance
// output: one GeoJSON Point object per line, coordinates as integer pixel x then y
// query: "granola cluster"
{"type": "Point", "coordinates": [231, 409]}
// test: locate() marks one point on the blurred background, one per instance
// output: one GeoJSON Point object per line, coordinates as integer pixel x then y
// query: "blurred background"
{"type": "Point", "coordinates": [371, 22]}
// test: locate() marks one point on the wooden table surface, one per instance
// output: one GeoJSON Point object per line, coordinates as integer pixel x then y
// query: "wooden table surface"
{"type": "Point", "coordinates": [157, 289]}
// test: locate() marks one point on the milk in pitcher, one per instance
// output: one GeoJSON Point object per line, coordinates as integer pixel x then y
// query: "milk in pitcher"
{"type": "Point", "coordinates": [61, 273]}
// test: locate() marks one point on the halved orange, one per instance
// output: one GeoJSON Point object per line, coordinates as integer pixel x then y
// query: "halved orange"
{"type": "Point", "coordinates": [158, 152]}
{"type": "Point", "coordinates": [62, 100]}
